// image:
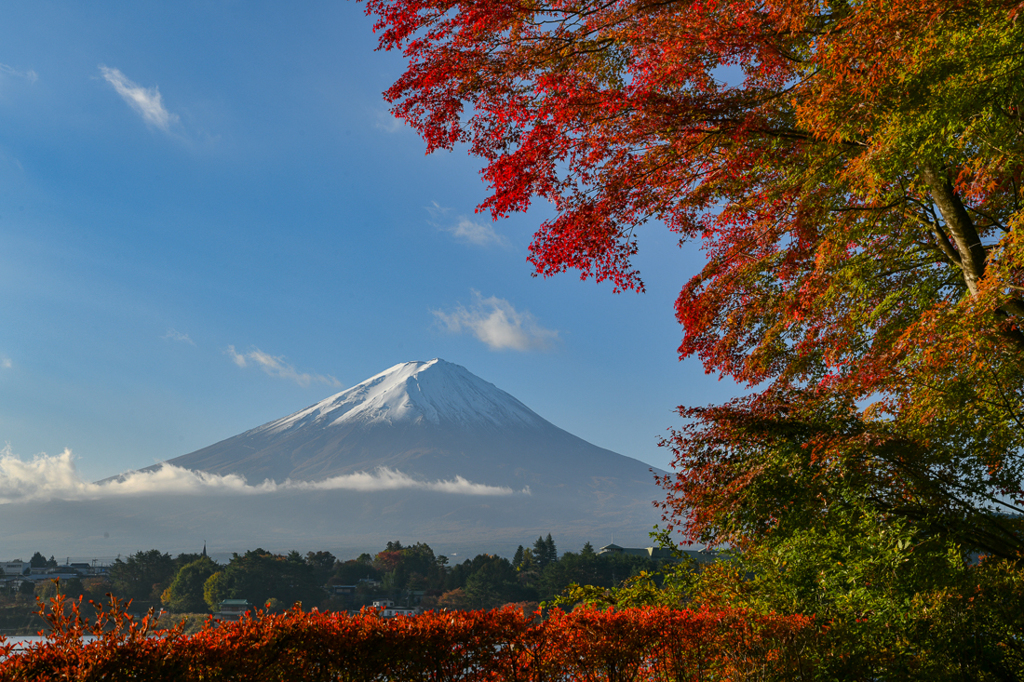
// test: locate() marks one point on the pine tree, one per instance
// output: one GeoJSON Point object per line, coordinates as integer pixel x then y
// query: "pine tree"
{"type": "Point", "coordinates": [549, 546]}
{"type": "Point", "coordinates": [540, 552]}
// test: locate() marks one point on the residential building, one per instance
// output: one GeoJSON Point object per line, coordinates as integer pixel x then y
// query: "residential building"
{"type": "Point", "coordinates": [701, 556]}
{"type": "Point", "coordinates": [232, 609]}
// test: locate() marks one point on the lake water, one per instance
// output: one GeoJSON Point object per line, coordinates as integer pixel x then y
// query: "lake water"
{"type": "Point", "coordinates": [23, 641]}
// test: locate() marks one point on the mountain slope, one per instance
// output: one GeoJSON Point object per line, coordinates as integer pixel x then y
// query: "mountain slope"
{"type": "Point", "coordinates": [430, 419]}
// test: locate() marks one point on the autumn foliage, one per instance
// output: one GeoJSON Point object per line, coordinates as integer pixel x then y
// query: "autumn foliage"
{"type": "Point", "coordinates": [587, 644]}
{"type": "Point", "coordinates": [852, 170]}
{"type": "Point", "coordinates": [853, 173]}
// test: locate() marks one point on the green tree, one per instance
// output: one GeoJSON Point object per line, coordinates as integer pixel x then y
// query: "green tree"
{"type": "Point", "coordinates": [37, 561]}
{"type": "Point", "coordinates": [552, 552]}
{"type": "Point", "coordinates": [569, 569]}
{"type": "Point", "coordinates": [143, 576]}
{"type": "Point", "coordinates": [186, 558]}
{"type": "Point", "coordinates": [185, 594]}
{"type": "Point", "coordinates": [323, 564]}
{"type": "Point", "coordinates": [493, 583]}
{"type": "Point", "coordinates": [896, 604]}
{"type": "Point", "coordinates": [412, 567]}
{"type": "Point", "coordinates": [352, 571]}
{"type": "Point", "coordinates": [590, 569]}
{"type": "Point", "coordinates": [544, 551]}
{"type": "Point", "coordinates": [259, 575]}
{"type": "Point", "coordinates": [899, 587]}
{"type": "Point", "coordinates": [216, 590]}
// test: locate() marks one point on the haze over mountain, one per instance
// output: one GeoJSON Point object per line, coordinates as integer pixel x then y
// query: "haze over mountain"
{"type": "Point", "coordinates": [424, 451]}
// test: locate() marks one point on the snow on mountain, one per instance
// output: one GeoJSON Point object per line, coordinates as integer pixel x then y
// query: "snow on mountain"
{"type": "Point", "coordinates": [414, 392]}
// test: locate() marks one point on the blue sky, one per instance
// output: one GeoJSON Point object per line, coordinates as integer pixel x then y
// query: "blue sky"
{"type": "Point", "coordinates": [209, 220]}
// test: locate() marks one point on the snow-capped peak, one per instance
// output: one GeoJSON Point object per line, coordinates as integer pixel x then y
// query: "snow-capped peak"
{"type": "Point", "coordinates": [415, 392]}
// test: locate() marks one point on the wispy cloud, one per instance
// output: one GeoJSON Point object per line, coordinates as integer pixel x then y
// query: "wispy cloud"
{"type": "Point", "coordinates": [5, 362]}
{"type": "Point", "coordinates": [495, 322]}
{"type": "Point", "coordinates": [175, 335]}
{"type": "Point", "coordinates": [30, 75]}
{"type": "Point", "coordinates": [466, 229]}
{"type": "Point", "coordinates": [146, 101]}
{"type": "Point", "coordinates": [275, 366]}
{"type": "Point", "coordinates": [479, 234]}
{"type": "Point", "coordinates": [383, 120]}
{"type": "Point", "coordinates": [56, 478]}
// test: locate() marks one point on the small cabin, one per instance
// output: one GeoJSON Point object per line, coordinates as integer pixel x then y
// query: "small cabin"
{"type": "Point", "coordinates": [232, 609]}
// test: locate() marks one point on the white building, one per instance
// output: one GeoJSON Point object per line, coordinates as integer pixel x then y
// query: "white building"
{"type": "Point", "coordinates": [16, 567]}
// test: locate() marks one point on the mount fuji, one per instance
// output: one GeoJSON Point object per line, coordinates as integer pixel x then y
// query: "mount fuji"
{"type": "Point", "coordinates": [431, 420]}
{"type": "Point", "coordinates": [424, 451]}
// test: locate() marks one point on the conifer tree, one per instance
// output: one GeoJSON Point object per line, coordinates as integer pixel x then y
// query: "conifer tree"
{"type": "Point", "coordinates": [549, 548]}
{"type": "Point", "coordinates": [540, 552]}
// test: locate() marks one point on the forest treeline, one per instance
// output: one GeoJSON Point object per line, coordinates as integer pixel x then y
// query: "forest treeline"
{"type": "Point", "coordinates": [409, 575]}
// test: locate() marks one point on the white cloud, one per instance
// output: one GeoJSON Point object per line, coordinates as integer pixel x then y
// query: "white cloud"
{"type": "Point", "coordinates": [479, 234]}
{"type": "Point", "coordinates": [30, 75]}
{"type": "Point", "coordinates": [495, 322]}
{"type": "Point", "coordinates": [275, 366]}
{"type": "Point", "coordinates": [56, 478]}
{"type": "Point", "coordinates": [466, 229]}
{"type": "Point", "coordinates": [236, 357]}
{"type": "Point", "coordinates": [383, 120]}
{"type": "Point", "coordinates": [175, 335]}
{"type": "Point", "coordinates": [146, 101]}
{"type": "Point", "coordinates": [5, 362]}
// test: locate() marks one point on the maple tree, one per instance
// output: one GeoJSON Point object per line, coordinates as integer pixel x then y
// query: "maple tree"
{"type": "Point", "coordinates": [852, 170]}
{"type": "Point", "coordinates": [853, 173]}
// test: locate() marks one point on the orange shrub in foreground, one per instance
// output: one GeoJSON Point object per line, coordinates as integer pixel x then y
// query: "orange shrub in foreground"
{"type": "Point", "coordinates": [586, 644]}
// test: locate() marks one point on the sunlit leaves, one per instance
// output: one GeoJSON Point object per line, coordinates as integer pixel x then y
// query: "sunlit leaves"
{"type": "Point", "coordinates": [587, 644]}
